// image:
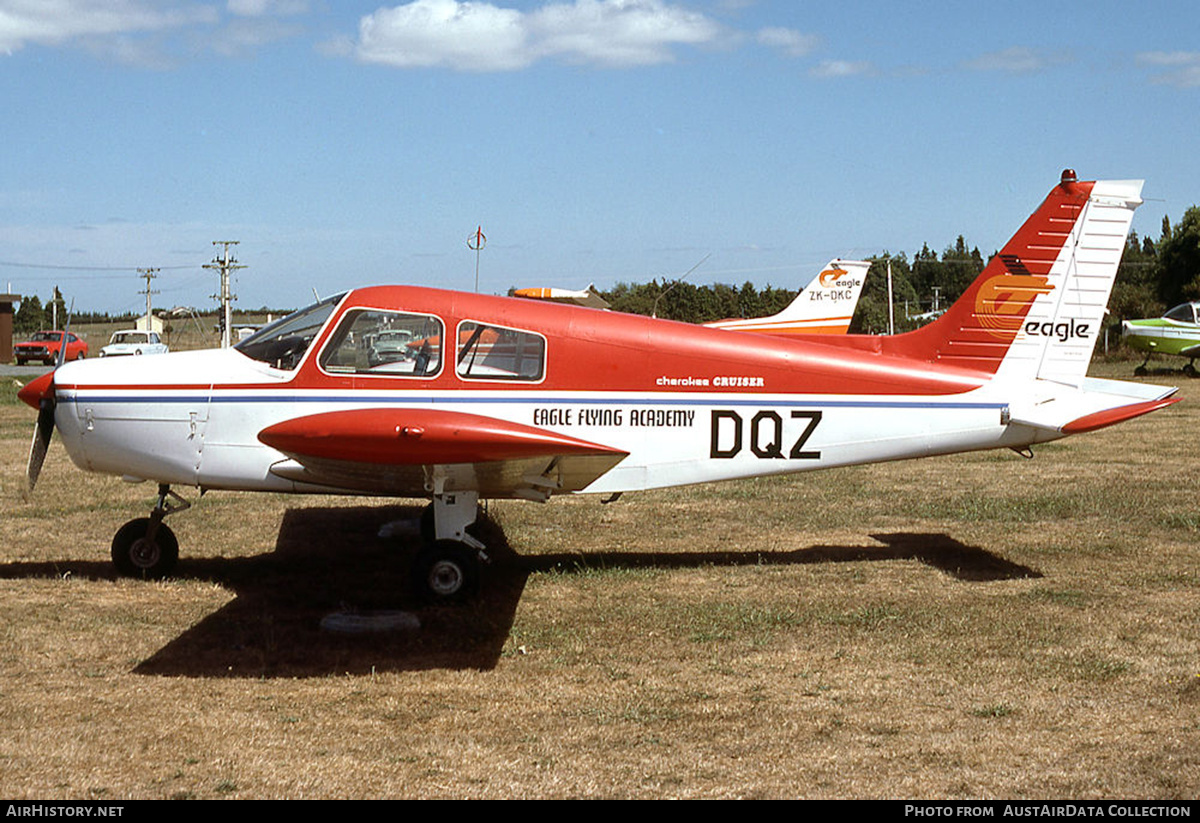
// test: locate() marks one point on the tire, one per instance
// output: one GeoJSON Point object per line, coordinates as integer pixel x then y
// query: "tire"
{"type": "Point", "coordinates": [134, 556]}
{"type": "Point", "coordinates": [446, 572]}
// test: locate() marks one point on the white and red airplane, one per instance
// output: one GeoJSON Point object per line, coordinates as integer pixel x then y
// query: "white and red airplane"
{"type": "Point", "coordinates": [417, 392]}
{"type": "Point", "coordinates": [825, 306]}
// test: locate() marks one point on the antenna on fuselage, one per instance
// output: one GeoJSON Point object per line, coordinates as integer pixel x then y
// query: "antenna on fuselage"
{"type": "Point", "coordinates": [665, 292]}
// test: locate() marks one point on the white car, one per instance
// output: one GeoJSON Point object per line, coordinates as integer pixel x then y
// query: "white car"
{"type": "Point", "coordinates": [134, 342]}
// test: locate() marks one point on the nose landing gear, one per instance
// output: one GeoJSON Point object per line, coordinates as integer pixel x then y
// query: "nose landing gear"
{"type": "Point", "coordinates": [146, 547]}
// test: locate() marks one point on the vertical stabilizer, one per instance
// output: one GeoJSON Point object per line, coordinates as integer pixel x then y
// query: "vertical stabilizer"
{"type": "Point", "coordinates": [824, 306]}
{"type": "Point", "coordinates": [1057, 338]}
{"type": "Point", "coordinates": [1037, 307]}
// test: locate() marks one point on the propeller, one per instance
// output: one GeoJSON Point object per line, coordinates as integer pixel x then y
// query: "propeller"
{"type": "Point", "coordinates": [39, 394]}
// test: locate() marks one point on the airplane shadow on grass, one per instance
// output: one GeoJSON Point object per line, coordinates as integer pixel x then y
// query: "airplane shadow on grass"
{"type": "Point", "coordinates": [331, 560]}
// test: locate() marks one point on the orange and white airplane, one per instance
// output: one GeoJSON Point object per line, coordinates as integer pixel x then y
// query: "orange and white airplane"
{"type": "Point", "coordinates": [534, 399]}
{"type": "Point", "coordinates": [824, 306]}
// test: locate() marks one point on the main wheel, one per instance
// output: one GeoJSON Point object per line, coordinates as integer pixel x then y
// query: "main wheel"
{"type": "Point", "coordinates": [135, 556]}
{"type": "Point", "coordinates": [446, 572]}
{"type": "Point", "coordinates": [1189, 370]}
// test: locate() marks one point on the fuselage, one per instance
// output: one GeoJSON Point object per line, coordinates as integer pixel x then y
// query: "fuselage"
{"type": "Point", "coordinates": [1176, 332]}
{"type": "Point", "coordinates": [688, 404]}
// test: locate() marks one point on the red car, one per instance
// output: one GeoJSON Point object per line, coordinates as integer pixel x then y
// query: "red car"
{"type": "Point", "coordinates": [44, 346]}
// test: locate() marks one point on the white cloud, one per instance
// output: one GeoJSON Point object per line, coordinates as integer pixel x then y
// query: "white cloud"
{"type": "Point", "coordinates": [478, 36]}
{"type": "Point", "coordinates": [1016, 60]}
{"type": "Point", "coordinates": [50, 22]}
{"type": "Point", "coordinates": [1184, 65]}
{"type": "Point", "coordinates": [470, 36]}
{"type": "Point", "coordinates": [789, 41]}
{"type": "Point", "coordinates": [618, 32]}
{"type": "Point", "coordinates": [266, 8]}
{"type": "Point", "coordinates": [1169, 58]}
{"type": "Point", "coordinates": [842, 68]}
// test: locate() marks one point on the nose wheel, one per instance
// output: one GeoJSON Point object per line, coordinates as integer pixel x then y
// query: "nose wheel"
{"type": "Point", "coordinates": [146, 547]}
{"type": "Point", "coordinates": [139, 552]}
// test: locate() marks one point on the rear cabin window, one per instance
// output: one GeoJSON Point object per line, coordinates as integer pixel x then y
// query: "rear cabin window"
{"type": "Point", "coordinates": [386, 343]}
{"type": "Point", "coordinates": [496, 353]}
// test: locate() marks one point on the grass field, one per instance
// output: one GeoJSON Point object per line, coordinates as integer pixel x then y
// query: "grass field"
{"type": "Point", "coordinates": [979, 626]}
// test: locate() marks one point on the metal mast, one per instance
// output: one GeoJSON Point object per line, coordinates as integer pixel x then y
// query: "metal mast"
{"type": "Point", "coordinates": [476, 242]}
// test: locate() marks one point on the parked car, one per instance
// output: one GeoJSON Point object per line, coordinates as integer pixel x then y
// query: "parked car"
{"type": "Point", "coordinates": [133, 341]}
{"type": "Point", "coordinates": [390, 346]}
{"type": "Point", "coordinates": [44, 346]}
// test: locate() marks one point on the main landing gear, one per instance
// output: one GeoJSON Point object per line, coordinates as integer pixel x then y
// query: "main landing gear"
{"type": "Point", "coordinates": [446, 569]}
{"type": "Point", "coordinates": [1189, 369]}
{"type": "Point", "coordinates": [146, 547]}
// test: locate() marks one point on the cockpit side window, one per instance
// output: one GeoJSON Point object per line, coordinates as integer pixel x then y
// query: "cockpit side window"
{"type": "Point", "coordinates": [488, 352]}
{"type": "Point", "coordinates": [385, 343]}
{"type": "Point", "coordinates": [284, 343]}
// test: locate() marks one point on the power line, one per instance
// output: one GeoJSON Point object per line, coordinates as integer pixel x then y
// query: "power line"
{"type": "Point", "coordinates": [17, 265]}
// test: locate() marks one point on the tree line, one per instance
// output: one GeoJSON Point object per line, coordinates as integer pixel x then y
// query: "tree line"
{"type": "Point", "coordinates": [1154, 275]}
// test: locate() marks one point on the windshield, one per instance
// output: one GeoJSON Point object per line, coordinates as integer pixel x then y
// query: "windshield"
{"type": "Point", "coordinates": [46, 335]}
{"type": "Point", "coordinates": [129, 337]}
{"type": "Point", "coordinates": [283, 343]}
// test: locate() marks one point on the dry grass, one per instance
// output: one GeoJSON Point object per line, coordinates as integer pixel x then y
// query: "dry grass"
{"type": "Point", "coordinates": [971, 627]}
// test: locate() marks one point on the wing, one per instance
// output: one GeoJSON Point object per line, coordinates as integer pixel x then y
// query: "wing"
{"type": "Point", "coordinates": [416, 452]}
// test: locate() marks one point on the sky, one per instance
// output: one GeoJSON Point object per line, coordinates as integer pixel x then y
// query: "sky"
{"type": "Point", "coordinates": [594, 141]}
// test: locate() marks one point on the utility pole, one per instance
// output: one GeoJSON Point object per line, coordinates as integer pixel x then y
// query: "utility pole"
{"type": "Point", "coordinates": [226, 264]}
{"type": "Point", "coordinates": [149, 274]}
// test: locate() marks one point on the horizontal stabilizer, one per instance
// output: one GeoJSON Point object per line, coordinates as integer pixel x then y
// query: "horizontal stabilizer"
{"type": "Point", "coordinates": [1098, 403]}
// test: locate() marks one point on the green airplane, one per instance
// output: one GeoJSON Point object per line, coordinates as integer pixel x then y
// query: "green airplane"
{"type": "Point", "coordinates": [1176, 332]}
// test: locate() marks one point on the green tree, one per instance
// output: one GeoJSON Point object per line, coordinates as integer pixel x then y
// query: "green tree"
{"type": "Point", "coordinates": [1179, 260]}
{"type": "Point", "coordinates": [1135, 292]}
{"type": "Point", "coordinates": [871, 315]}
{"type": "Point", "coordinates": [30, 315]}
